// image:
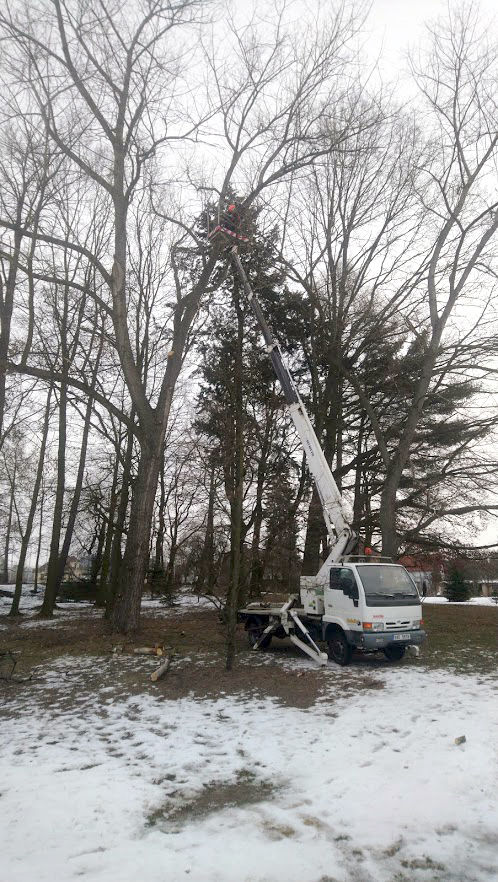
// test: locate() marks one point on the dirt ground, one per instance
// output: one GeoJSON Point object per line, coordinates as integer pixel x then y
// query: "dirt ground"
{"type": "Point", "coordinates": [460, 638]}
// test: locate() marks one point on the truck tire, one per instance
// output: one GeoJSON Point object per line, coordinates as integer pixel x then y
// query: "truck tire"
{"type": "Point", "coordinates": [254, 628]}
{"type": "Point", "coordinates": [340, 651]}
{"type": "Point", "coordinates": [394, 653]}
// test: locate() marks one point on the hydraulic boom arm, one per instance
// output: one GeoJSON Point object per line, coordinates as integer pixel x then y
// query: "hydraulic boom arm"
{"type": "Point", "coordinates": [339, 531]}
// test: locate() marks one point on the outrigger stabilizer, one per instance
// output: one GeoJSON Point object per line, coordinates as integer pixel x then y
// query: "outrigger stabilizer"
{"type": "Point", "coordinates": [288, 619]}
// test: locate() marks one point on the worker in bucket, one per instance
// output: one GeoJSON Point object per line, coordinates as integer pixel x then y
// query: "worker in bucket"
{"type": "Point", "coordinates": [231, 218]}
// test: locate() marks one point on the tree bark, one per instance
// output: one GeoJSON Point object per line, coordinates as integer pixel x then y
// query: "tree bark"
{"type": "Point", "coordinates": [237, 491]}
{"type": "Point", "coordinates": [47, 608]}
{"type": "Point", "coordinates": [115, 559]}
{"type": "Point", "coordinates": [103, 591]}
{"type": "Point", "coordinates": [97, 560]}
{"type": "Point", "coordinates": [4, 578]}
{"type": "Point", "coordinates": [73, 511]}
{"type": "Point", "coordinates": [205, 577]}
{"type": "Point", "coordinates": [49, 597]}
{"type": "Point", "coordinates": [159, 556]}
{"type": "Point", "coordinates": [6, 310]}
{"type": "Point", "coordinates": [125, 616]}
{"type": "Point", "coordinates": [40, 535]}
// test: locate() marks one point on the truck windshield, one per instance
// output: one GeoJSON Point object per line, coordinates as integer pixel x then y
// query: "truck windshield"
{"type": "Point", "coordinates": [387, 584]}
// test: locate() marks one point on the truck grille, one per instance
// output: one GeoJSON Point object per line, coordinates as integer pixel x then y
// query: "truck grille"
{"type": "Point", "coordinates": [396, 626]}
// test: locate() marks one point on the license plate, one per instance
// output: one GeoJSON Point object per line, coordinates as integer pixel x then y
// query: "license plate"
{"type": "Point", "coordinates": [401, 636]}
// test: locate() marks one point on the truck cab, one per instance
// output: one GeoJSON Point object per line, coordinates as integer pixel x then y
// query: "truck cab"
{"type": "Point", "coordinates": [365, 605]}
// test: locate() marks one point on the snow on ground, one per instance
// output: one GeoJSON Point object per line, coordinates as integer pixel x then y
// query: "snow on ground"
{"type": "Point", "coordinates": [182, 603]}
{"type": "Point", "coordinates": [372, 788]}
{"type": "Point", "coordinates": [31, 603]}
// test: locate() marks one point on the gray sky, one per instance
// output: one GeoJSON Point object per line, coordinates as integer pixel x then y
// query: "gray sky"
{"type": "Point", "coordinates": [398, 23]}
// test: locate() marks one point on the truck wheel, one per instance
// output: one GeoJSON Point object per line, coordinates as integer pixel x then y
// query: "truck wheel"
{"type": "Point", "coordinates": [255, 628]}
{"type": "Point", "coordinates": [394, 653]}
{"type": "Point", "coordinates": [340, 651]}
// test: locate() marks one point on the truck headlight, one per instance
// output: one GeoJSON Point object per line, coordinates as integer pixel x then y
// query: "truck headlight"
{"type": "Point", "coordinates": [416, 623]}
{"type": "Point", "coordinates": [378, 626]}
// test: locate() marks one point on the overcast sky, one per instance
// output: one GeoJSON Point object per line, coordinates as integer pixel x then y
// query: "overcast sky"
{"type": "Point", "coordinates": [396, 24]}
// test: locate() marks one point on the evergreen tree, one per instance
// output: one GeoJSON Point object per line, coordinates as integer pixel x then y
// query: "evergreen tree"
{"type": "Point", "coordinates": [241, 415]}
{"type": "Point", "coordinates": [456, 589]}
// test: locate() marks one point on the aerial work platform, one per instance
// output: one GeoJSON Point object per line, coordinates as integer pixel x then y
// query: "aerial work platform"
{"type": "Point", "coordinates": [230, 227]}
{"type": "Point", "coordinates": [231, 237]}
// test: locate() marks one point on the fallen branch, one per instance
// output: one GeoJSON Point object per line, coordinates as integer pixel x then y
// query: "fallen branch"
{"type": "Point", "coordinates": [162, 669]}
{"type": "Point", "coordinates": [7, 655]}
{"type": "Point", "coordinates": [10, 677]}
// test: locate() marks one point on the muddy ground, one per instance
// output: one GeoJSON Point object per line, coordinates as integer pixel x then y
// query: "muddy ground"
{"type": "Point", "coordinates": [460, 638]}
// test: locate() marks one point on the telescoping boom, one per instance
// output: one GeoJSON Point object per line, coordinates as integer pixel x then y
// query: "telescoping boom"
{"type": "Point", "coordinates": [340, 533]}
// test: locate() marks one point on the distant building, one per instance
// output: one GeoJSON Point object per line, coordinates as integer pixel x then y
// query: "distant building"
{"type": "Point", "coordinates": [77, 569]}
{"type": "Point", "coordinates": [485, 587]}
{"type": "Point", "coordinates": [426, 571]}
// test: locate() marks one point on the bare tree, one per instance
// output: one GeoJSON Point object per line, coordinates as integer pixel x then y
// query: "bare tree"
{"type": "Point", "coordinates": [26, 532]}
{"type": "Point", "coordinates": [455, 78]}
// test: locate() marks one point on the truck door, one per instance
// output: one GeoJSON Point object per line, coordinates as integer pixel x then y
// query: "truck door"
{"type": "Point", "coordinates": [341, 597]}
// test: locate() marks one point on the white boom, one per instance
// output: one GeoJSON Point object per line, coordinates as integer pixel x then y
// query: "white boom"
{"type": "Point", "coordinates": [339, 531]}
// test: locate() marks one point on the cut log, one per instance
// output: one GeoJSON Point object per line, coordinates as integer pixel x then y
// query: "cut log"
{"type": "Point", "coordinates": [162, 669]}
{"type": "Point", "coordinates": [148, 650]}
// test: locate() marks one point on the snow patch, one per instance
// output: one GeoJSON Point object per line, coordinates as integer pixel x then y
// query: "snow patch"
{"type": "Point", "coordinates": [242, 789]}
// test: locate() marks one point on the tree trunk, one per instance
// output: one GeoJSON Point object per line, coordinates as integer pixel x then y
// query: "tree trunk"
{"type": "Point", "coordinates": [14, 610]}
{"type": "Point", "coordinates": [126, 613]}
{"type": "Point", "coordinates": [358, 495]}
{"type": "Point", "coordinates": [117, 535]}
{"type": "Point", "coordinates": [97, 560]}
{"type": "Point", "coordinates": [103, 592]}
{"type": "Point", "coordinates": [6, 309]}
{"type": "Point", "coordinates": [49, 597]}
{"type": "Point", "coordinates": [256, 562]}
{"type": "Point", "coordinates": [236, 497]}
{"type": "Point", "coordinates": [387, 518]}
{"type": "Point", "coordinates": [73, 511]}
{"type": "Point", "coordinates": [159, 555]}
{"type": "Point", "coordinates": [315, 534]}
{"type": "Point", "coordinates": [205, 576]}
{"type": "Point", "coordinates": [40, 534]}
{"type": "Point", "coordinates": [169, 579]}
{"type": "Point", "coordinates": [4, 577]}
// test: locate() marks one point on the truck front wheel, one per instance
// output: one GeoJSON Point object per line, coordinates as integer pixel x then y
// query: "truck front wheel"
{"type": "Point", "coordinates": [340, 651]}
{"type": "Point", "coordinates": [394, 653]}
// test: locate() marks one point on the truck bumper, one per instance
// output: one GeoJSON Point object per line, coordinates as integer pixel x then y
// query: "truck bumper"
{"type": "Point", "coordinates": [381, 639]}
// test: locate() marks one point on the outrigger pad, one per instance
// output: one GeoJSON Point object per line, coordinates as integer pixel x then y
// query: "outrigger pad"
{"type": "Point", "coordinates": [221, 234]}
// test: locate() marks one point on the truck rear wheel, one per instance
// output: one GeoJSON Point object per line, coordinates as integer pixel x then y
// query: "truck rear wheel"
{"type": "Point", "coordinates": [340, 651]}
{"type": "Point", "coordinates": [254, 629]}
{"type": "Point", "coordinates": [394, 653]}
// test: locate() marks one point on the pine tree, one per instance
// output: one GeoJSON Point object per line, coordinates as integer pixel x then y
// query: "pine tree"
{"type": "Point", "coordinates": [240, 415]}
{"type": "Point", "coordinates": [457, 589]}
